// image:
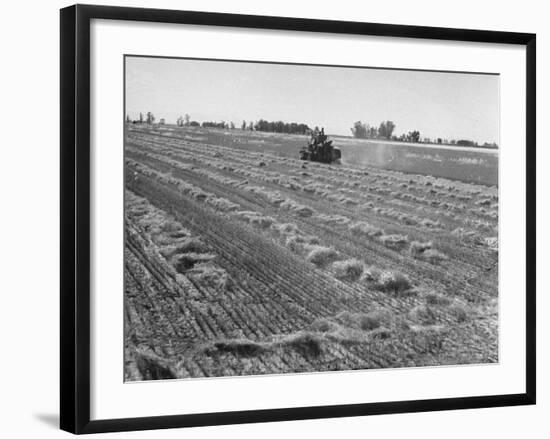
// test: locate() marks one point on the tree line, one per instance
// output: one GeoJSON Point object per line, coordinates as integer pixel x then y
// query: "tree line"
{"type": "Point", "coordinates": [361, 130]}
{"type": "Point", "coordinates": [149, 118]}
{"type": "Point", "coordinates": [260, 125]}
{"type": "Point", "coordinates": [281, 127]}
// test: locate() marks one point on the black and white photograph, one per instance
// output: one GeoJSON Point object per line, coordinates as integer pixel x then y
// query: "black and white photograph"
{"type": "Point", "coordinates": [295, 218]}
{"type": "Point", "coordinates": [266, 220]}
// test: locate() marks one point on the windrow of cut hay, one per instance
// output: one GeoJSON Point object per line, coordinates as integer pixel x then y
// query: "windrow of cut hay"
{"type": "Point", "coordinates": [147, 365]}
{"type": "Point", "coordinates": [307, 344]}
{"type": "Point", "coordinates": [298, 243]}
{"type": "Point", "coordinates": [450, 187]}
{"type": "Point", "coordinates": [319, 255]}
{"type": "Point", "coordinates": [184, 259]}
{"type": "Point", "coordinates": [350, 174]}
{"type": "Point", "coordinates": [349, 269]}
{"type": "Point", "coordinates": [405, 218]}
{"type": "Point", "coordinates": [250, 185]}
{"type": "Point", "coordinates": [425, 251]}
{"type": "Point", "coordinates": [187, 254]}
{"type": "Point", "coordinates": [394, 282]}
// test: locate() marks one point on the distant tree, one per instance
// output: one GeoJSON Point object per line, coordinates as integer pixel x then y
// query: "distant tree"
{"type": "Point", "coordinates": [439, 140]}
{"type": "Point", "coordinates": [150, 118]}
{"type": "Point", "coordinates": [140, 117]}
{"type": "Point", "coordinates": [231, 126]}
{"type": "Point", "coordinates": [127, 118]}
{"type": "Point", "coordinates": [179, 122]}
{"type": "Point", "coordinates": [194, 123]}
{"type": "Point", "coordinates": [386, 129]}
{"type": "Point", "coordinates": [251, 126]}
{"type": "Point", "coordinates": [382, 129]}
{"type": "Point", "coordinates": [359, 130]}
{"type": "Point", "coordinates": [187, 119]}
{"type": "Point", "coordinates": [465, 142]}
{"type": "Point", "coordinates": [208, 124]}
{"type": "Point", "coordinates": [281, 127]}
{"type": "Point", "coordinates": [413, 136]}
{"type": "Point", "coordinates": [390, 127]}
{"type": "Point", "coordinates": [243, 125]}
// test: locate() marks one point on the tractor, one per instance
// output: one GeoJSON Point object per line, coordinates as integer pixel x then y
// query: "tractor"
{"type": "Point", "coordinates": [320, 149]}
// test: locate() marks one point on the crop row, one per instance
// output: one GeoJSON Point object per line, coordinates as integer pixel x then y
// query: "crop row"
{"type": "Point", "coordinates": [365, 195]}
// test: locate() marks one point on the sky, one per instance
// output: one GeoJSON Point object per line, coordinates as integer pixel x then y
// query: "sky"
{"type": "Point", "coordinates": [438, 104]}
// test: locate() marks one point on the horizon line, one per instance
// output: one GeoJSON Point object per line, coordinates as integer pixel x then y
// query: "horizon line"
{"type": "Point", "coordinates": [331, 134]}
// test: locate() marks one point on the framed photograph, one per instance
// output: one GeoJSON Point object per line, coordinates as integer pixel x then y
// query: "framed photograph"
{"type": "Point", "coordinates": [274, 218]}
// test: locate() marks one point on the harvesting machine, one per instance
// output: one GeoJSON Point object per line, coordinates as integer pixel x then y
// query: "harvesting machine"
{"type": "Point", "coordinates": [320, 149]}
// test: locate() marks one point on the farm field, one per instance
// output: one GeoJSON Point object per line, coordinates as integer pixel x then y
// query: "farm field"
{"type": "Point", "coordinates": [241, 259]}
{"type": "Point", "coordinates": [474, 165]}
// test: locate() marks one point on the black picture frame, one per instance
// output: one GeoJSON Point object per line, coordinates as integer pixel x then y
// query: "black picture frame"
{"type": "Point", "coordinates": [75, 217]}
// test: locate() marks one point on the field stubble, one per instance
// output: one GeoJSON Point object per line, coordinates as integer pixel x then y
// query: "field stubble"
{"type": "Point", "coordinates": [243, 262]}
